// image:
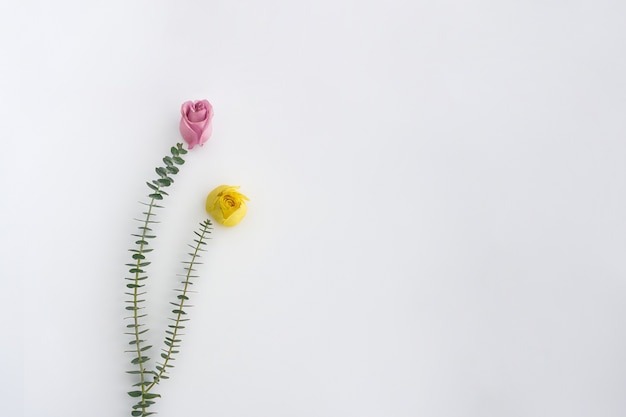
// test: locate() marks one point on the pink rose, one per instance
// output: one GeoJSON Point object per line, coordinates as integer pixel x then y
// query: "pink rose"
{"type": "Point", "coordinates": [195, 125]}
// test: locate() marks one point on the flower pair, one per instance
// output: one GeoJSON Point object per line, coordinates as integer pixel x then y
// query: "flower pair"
{"type": "Point", "coordinates": [225, 204]}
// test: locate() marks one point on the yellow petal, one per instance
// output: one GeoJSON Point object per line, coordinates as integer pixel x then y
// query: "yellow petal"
{"type": "Point", "coordinates": [236, 216]}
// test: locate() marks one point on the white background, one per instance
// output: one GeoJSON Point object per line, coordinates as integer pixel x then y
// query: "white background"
{"type": "Point", "coordinates": [437, 224]}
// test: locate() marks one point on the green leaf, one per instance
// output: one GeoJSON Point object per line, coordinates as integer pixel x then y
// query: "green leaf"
{"type": "Point", "coordinates": [134, 393]}
{"type": "Point", "coordinates": [172, 169]}
{"type": "Point", "coordinates": [161, 171]}
{"type": "Point", "coordinates": [168, 161]}
{"type": "Point", "coordinates": [174, 151]}
{"type": "Point", "coordinates": [165, 182]}
{"type": "Point", "coordinates": [178, 161]}
{"type": "Point", "coordinates": [136, 413]}
{"type": "Point", "coordinates": [150, 395]}
{"type": "Point", "coordinates": [156, 196]}
{"type": "Point", "coordinates": [173, 340]}
{"type": "Point", "coordinates": [138, 255]}
{"type": "Point", "coordinates": [141, 359]}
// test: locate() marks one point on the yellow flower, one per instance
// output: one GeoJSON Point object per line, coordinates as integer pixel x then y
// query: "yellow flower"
{"type": "Point", "coordinates": [226, 205]}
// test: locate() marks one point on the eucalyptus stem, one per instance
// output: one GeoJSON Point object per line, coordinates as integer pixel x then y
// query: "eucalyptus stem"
{"type": "Point", "coordinates": [139, 274]}
{"type": "Point", "coordinates": [171, 341]}
{"type": "Point", "coordinates": [141, 359]}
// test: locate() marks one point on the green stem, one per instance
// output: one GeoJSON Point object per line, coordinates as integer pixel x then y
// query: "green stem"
{"type": "Point", "coordinates": [179, 310]}
{"type": "Point", "coordinates": [136, 304]}
{"type": "Point", "coordinates": [138, 274]}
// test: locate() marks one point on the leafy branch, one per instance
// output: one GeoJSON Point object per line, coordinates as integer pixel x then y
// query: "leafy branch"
{"type": "Point", "coordinates": [138, 275]}
{"type": "Point", "coordinates": [172, 338]}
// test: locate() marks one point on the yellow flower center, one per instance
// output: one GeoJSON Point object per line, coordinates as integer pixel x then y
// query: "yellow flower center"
{"type": "Point", "coordinates": [229, 204]}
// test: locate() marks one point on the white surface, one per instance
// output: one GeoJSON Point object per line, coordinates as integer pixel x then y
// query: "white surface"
{"type": "Point", "coordinates": [437, 224]}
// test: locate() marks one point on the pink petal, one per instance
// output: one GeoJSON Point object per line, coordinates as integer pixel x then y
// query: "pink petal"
{"type": "Point", "coordinates": [206, 134]}
{"type": "Point", "coordinates": [209, 108]}
{"type": "Point", "coordinates": [190, 133]}
{"type": "Point", "coordinates": [185, 107]}
{"type": "Point", "coordinates": [197, 115]}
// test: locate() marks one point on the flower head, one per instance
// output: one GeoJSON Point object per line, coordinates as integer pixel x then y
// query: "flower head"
{"type": "Point", "coordinates": [195, 124]}
{"type": "Point", "coordinates": [226, 205]}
